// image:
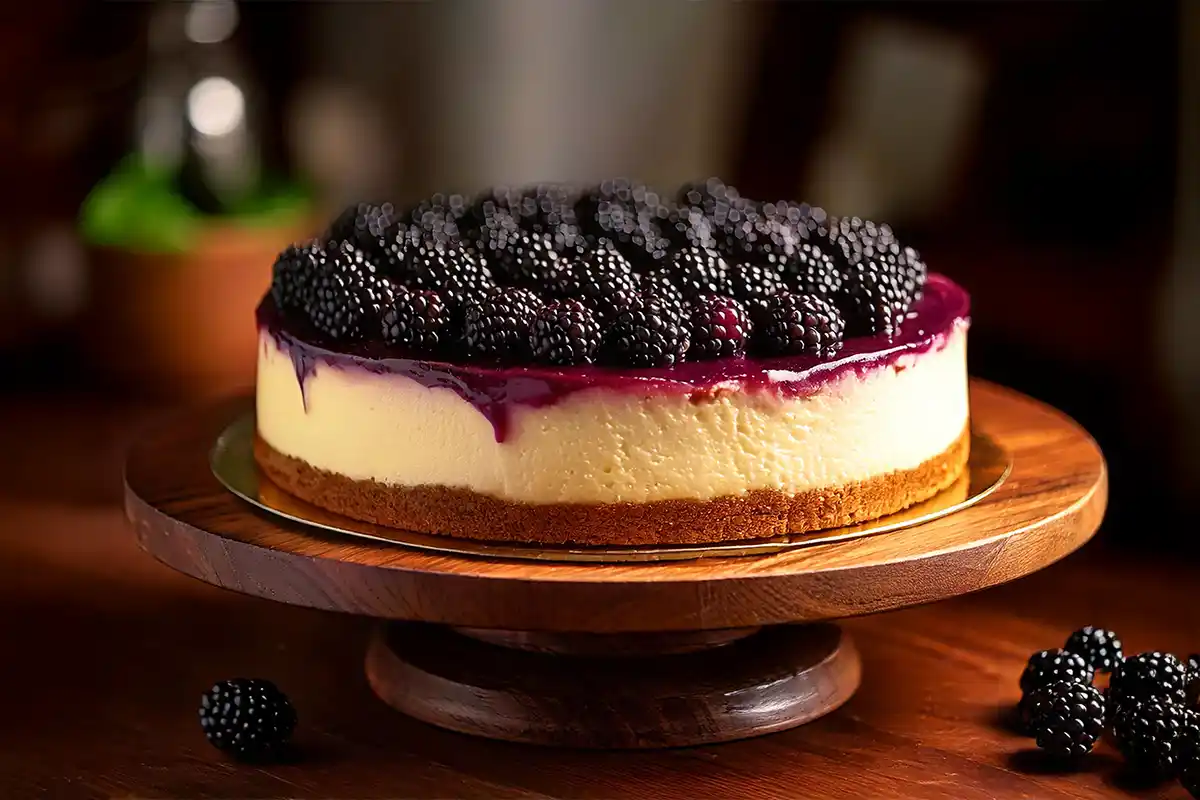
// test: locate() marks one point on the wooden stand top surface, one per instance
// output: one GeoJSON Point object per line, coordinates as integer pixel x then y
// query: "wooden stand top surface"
{"type": "Point", "coordinates": [1051, 503]}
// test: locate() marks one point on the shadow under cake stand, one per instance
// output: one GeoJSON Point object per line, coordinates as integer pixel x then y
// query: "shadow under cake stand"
{"type": "Point", "coordinates": [620, 655]}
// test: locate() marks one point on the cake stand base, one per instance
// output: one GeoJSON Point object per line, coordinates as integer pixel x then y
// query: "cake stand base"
{"type": "Point", "coordinates": [614, 691]}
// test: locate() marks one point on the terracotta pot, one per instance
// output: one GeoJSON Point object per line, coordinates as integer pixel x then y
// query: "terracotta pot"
{"type": "Point", "coordinates": [182, 325]}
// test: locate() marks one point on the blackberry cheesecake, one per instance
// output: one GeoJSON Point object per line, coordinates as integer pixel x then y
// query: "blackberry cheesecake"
{"type": "Point", "coordinates": [605, 366]}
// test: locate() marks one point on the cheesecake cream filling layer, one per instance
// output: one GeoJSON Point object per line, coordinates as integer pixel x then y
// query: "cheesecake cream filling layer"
{"type": "Point", "coordinates": [605, 446]}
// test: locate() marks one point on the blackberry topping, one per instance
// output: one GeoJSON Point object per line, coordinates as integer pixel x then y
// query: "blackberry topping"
{"type": "Point", "coordinates": [754, 284]}
{"type": "Point", "coordinates": [1051, 666]}
{"type": "Point", "coordinates": [761, 238]}
{"type": "Point", "coordinates": [853, 239]}
{"type": "Point", "coordinates": [452, 271]}
{"type": "Point", "coordinates": [687, 226]}
{"type": "Point", "coordinates": [1149, 675]}
{"type": "Point", "coordinates": [659, 284]}
{"type": "Point", "coordinates": [250, 719]}
{"type": "Point", "coordinates": [645, 332]}
{"type": "Point", "coordinates": [1100, 648]}
{"type": "Point", "coordinates": [436, 220]}
{"type": "Point", "coordinates": [292, 275]}
{"type": "Point", "coordinates": [708, 193]}
{"type": "Point", "coordinates": [698, 271]}
{"type": "Point", "coordinates": [1068, 720]}
{"type": "Point", "coordinates": [812, 271]}
{"type": "Point", "coordinates": [719, 328]}
{"type": "Point", "coordinates": [544, 206]}
{"type": "Point", "coordinates": [602, 278]}
{"type": "Point", "coordinates": [1148, 733]}
{"type": "Point", "coordinates": [416, 319]}
{"type": "Point", "coordinates": [498, 325]}
{"type": "Point", "coordinates": [564, 333]}
{"type": "Point", "coordinates": [348, 295]}
{"type": "Point", "coordinates": [363, 226]}
{"type": "Point", "coordinates": [872, 300]}
{"type": "Point", "coordinates": [790, 324]}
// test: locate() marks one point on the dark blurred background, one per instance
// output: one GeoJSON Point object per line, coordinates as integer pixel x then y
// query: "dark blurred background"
{"type": "Point", "coordinates": [1042, 154]}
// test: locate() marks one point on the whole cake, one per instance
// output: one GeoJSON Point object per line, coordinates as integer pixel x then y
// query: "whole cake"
{"type": "Point", "coordinates": [605, 366]}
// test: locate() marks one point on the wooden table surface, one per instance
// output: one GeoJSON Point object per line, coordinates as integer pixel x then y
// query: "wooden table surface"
{"type": "Point", "coordinates": [105, 654]}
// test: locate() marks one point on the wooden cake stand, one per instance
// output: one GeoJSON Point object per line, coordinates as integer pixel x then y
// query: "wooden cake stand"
{"type": "Point", "coordinates": [652, 654]}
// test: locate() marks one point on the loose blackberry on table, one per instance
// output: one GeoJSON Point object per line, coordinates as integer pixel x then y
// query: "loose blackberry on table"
{"type": "Point", "coordinates": [1100, 648]}
{"type": "Point", "coordinates": [249, 718]}
{"type": "Point", "coordinates": [1149, 675]}
{"type": "Point", "coordinates": [788, 324]}
{"type": "Point", "coordinates": [1149, 734]}
{"type": "Point", "coordinates": [1068, 719]}
{"type": "Point", "coordinates": [1051, 666]}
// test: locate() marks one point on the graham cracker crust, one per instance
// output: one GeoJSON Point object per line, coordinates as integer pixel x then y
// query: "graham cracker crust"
{"type": "Point", "coordinates": [756, 515]}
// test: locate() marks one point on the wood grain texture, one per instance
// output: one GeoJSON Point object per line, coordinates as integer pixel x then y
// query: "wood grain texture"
{"type": "Point", "coordinates": [1050, 505]}
{"type": "Point", "coordinates": [766, 682]}
{"type": "Point", "coordinates": [108, 652]}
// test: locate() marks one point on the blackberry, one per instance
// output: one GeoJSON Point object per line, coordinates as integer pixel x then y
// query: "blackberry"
{"type": "Point", "coordinates": [852, 240]}
{"type": "Point", "coordinates": [348, 295]}
{"type": "Point", "coordinates": [498, 325]}
{"type": "Point", "coordinates": [720, 327]}
{"type": "Point", "coordinates": [1051, 666]}
{"type": "Point", "coordinates": [419, 320]}
{"type": "Point", "coordinates": [752, 234]}
{"type": "Point", "coordinates": [1149, 675]}
{"type": "Point", "coordinates": [601, 278]}
{"type": "Point", "coordinates": [790, 324]}
{"type": "Point", "coordinates": [565, 332]}
{"type": "Point", "coordinates": [872, 300]}
{"type": "Point", "coordinates": [1189, 735]}
{"type": "Point", "coordinates": [1149, 733]}
{"type": "Point", "coordinates": [1032, 703]}
{"type": "Point", "coordinates": [1193, 679]}
{"type": "Point", "coordinates": [292, 275]}
{"type": "Point", "coordinates": [436, 220]}
{"type": "Point", "coordinates": [687, 226]}
{"type": "Point", "coordinates": [543, 206]}
{"type": "Point", "coordinates": [456, 274]}
{"type": "Point", "coordinates": [754, 284]}
{"type": "Point", "coordinates": [363, 226]}
{"type": "Point", "coordinates": [1069, 719]}
{"type": "Point", "coordinates": [646, 332]}
{"type": "Point", "coordinates": [249, 718]}
{"type": "Point", "coordinates": [698, 271]}
{"type": "Point", "coordinates": [812, 271]}
{"type": "Point", "coordinates": [659, 284]}
{"type": "Point", "coordinates": [1100, 648]}
{"type": "Point", "coordinates": [708, 193]}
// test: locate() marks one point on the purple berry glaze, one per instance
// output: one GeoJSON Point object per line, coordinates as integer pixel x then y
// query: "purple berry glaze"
{"type": "Point", "coordinates": [493, 389]}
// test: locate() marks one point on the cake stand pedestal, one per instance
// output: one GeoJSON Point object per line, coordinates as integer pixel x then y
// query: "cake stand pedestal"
{"type": "Point", "coordinates": [630, 655]}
